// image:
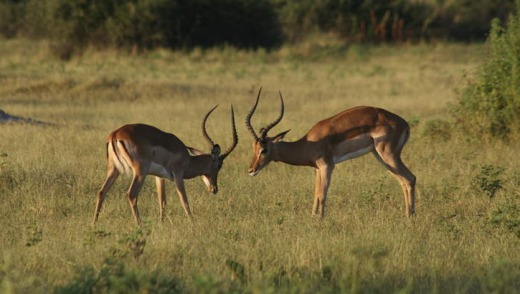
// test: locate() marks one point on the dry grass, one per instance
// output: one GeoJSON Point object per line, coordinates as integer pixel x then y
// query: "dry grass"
{"type": "Point", "coordinates": [257, 234]}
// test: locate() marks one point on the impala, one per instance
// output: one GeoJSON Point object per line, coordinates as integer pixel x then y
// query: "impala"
{"type": "Point", "coordinates": [346, 135]}
{"type": "Point", "coordinates": [145, 150]}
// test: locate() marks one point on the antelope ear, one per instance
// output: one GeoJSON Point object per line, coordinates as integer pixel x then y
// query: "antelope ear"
{"type": "Point", "coordinates": [280, 136]}
{"type": "Point", "coordinates": [194, 151]}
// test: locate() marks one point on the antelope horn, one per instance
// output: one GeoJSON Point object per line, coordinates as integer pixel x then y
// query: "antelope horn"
{"type": "Point", "coordinates": [204, 132]}
{"type": "Point", "coordinates": [250, 114]}
{"type": "Point", "coordinates": [235, 136]}
{"type": "Point", "coordinates": [264, 131]}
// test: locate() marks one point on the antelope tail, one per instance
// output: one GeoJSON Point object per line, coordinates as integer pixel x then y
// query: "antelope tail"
{"type": "Point", "coordinates": [118, 154]}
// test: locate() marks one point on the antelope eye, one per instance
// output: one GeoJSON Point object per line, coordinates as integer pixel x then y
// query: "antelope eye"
{"type": "Point", "coordinates": [263, 151]}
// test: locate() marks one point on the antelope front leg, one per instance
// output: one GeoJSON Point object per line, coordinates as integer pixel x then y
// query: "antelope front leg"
{"type": "Point", "coordinates": [411, 193]}
{"type": "Point", "coordinates": [181, 191]}
{"type": "Point", "coordinates": [320, 197]}
{"type": "Point", "coordinates": [161, 195]}
{"type": "Point", "coordinates": [317, 187]}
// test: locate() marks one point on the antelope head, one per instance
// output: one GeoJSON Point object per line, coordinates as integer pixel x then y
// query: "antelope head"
{"type": "Point", "coordinates": [217, 158]}
{"type": "Point", "coordinates": [262, 143]}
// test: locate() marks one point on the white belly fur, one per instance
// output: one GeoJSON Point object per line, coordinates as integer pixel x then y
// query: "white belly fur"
{"type": "Point", "coordinates": [160, 171]}
{"type": "Point", "coordinates": [354, 154]}
{"type": "Point", "coordinates": [353, 148]}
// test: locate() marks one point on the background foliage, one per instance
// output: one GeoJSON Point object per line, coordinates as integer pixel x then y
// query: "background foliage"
{"type": "Point", "coordinates": [139, 24]}
{"type": "Point", "coordinates": [489, 105]}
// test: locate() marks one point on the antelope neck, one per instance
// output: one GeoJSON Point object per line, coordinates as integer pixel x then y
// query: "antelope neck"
{"type": "Point", "coordinates": [198, 166]}
{"type": "Point", "coordinates": [293, 153]}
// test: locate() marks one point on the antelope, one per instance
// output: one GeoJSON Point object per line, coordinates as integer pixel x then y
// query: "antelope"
{"type": "Point", "coordinates": [346, 135]}
{"type": "Point", "coordinates": [146, 150]}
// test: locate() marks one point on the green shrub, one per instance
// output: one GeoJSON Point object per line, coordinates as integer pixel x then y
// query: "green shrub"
{"type": "Point", "coordinates": [11, 18]}
{"type": "Point", "coordinates": [141, 23]}
{"type": "Point", "coordinates": [365, 21]}
{"type": "Point", "coordinates": [502, 277]}
{"type": "Point", "coordinates": [113, 277]}
{"type": "Point", "coordinates": [437, 129]}
{"type": "Point", "coordinates": [136, 24]}
{"type": "Point", "coordinates": [506, 216]}
{"type": "Point", "coordinates": [132, 244]}
{"type": "Point", "coordinates": [488, 179]}
{"type": "Point", "coordinates": [468, 20]}
{"type": "Point", "coordinates": [490, 103]}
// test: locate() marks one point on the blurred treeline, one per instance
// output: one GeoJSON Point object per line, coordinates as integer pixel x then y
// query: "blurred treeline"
{"type": "Point", "coordinates": [186, 24]}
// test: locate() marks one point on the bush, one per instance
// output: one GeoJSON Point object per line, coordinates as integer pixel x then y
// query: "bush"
{"type": "Point", "coordinates": [490, 103]}
{"type": "Point", "coordinates": [73, 25]}
{"type": "Point", "coordinates": [364, 21]}
{"type": "Point", "coordinates": [113, 277]}
{"type": "Point", "coordinates": [437, 129]}
{"type": "Point", "coordinates": [141, 23]}
{"type": "Point", "coordinates": [137, 24]}
{"type": "Point", "coordinates": [468, 20]}
{"type": "Point", "coordinates": [506, 216]}
{"type": "Point", "coordinates": [488, 179]}
{"type": "Point", "coordinates": [11, 18]}
{"type": "Point", "coordinates": [241, 23]}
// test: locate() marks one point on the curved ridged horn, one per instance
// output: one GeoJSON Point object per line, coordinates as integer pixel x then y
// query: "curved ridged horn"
{"type": "Point", "coordinates": [250, 114]}
{"type": "Point", "coordinates": [204, 132]}
{"type": "Point", "coordinates": [264, 131]}
{"type": "Point", "coordinates": [235, 136]}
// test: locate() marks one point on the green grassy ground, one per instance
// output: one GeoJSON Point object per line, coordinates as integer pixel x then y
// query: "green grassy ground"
{"type": "Point", "coordinates": [256, 234]}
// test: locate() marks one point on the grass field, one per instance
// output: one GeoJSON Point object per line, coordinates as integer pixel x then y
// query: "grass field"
{"type": "Point", "coordinates": [257, 234]}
